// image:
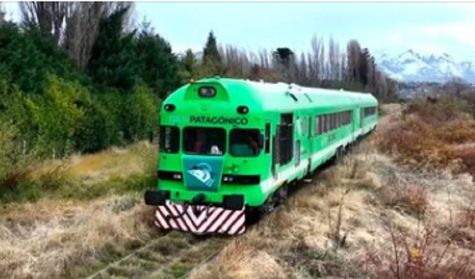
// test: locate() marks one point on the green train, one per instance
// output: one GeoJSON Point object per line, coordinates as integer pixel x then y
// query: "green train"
{"type": "Point", "coordinates": [231, 146]}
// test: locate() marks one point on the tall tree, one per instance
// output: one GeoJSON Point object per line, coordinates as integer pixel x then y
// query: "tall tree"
{"type": "Point", "coordinates": [2, 14]}
{"type": "Point", "coordinates": [112, 61]}
{"type": "Point", "coordinates": [316, 65]}
{"type": "Point", "coordinates": [302, 73]}
{"type": "Point", "coordinates": [211, 56]}
{"type": "Point", "coordinates": [82, 29]}
{"type": "Point", "coordinates": [353, 51]}
{"type": "Point", "coordinates": [188, 66]}
{"type": "Point", "coordinates": [48, 16]}
{"type": "Point", "coordinates": [74, 25]}
{"type": "Point", "coordinates": [189, 61]}
{"type": "Point", "coordinates": [157, 66]}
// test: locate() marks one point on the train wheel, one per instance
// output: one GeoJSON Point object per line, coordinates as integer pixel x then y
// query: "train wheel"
{"type": "Point", "coordinates": [254, 214]}
{"type": "Point", "coordinates": [339, 154]}
{"type": "Point", "coordinates": [281, 195]}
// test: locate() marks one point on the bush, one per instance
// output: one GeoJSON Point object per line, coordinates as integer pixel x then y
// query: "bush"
{"type": "Point", "coordinates": [12, 161]}
{"type": "Point", "coordinates": [420, 255]}
{"type": "Point", "coordinates": [57, 116]}
{"type": "Point", "coordinates": [139, 115]}
{"type": "Point", "coordinates": [410, 198]}
{"type": "Point", "coordinates": [415, 142]}
{"type": "Point", "coordinates": [429, 134]}
{"type": "Point", "coordinates": [462, 230]}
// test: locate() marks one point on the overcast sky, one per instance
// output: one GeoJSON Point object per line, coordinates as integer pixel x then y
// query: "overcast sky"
{"type": "Point", "coordinates": [382, 27]}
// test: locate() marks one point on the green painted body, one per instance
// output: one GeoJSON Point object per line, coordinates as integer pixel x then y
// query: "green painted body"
{"type": "Point", "coordinates": [266, 102]}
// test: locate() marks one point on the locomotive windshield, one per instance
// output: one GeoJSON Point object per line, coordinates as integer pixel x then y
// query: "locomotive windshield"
{"type": "Point", "coordinates": [204, 141]}
{"type": "Point", "coordinates": [245, 142]}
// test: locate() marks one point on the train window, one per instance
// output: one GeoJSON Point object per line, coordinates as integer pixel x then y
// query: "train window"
{"type": "Point", "coordinates": [369, 111]}
{"type": "Point", "coordinates": [323, 121]}
{"type": "Point", "coordinates": [204, 141]}
{"type": "Point", "coordinates": [303, 126]}
{"type": "Point", "coordinates": [318, 125]}
{"type": "Point", "coordinates": [327, 123]}
{"type": "Point", "coordinates": [245, 142]}
{"type": "Point", "coordinates": [267, 135]}
{"type": "Point", "coordinates": [309, 128]}
{"type": "Point", "coordinates": [169, 139]}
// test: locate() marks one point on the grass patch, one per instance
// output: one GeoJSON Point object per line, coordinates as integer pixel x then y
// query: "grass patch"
{"type": "Point", "coordinates": [316, 263]}
{"type": "Point", "coordinates": [179, 269]}
{"type": "Point", "coordinates": [116, 171]}
{"type": "Point", "coordinates": [33, 190]}
{"type": "Point", "coordinates": [405, 197]}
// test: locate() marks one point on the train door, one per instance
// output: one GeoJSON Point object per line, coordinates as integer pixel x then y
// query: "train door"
{"type": "Point", "coordinates": [282, 143]}
{"type": "Point", "coordinates": [286, 138]}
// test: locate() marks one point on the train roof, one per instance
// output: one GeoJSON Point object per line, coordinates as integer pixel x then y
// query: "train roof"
{"type": "Point", "coordinates": [264, 96]}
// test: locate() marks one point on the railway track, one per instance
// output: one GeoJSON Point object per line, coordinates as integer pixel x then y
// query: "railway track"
{"type": "Point", "coordinates": [172, 255]}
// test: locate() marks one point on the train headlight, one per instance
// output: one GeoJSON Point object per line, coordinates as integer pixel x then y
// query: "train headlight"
{"type": "Point", "coordinates": [207, 92]}
{"type": "Point", "coordinates": [169, 107]}
{"type": "Point", "coordinates": [228, 178]}
{"type": "Point", "coordinates": [169, 175]}
{"type": "Point", "coordinates": [242, 109]}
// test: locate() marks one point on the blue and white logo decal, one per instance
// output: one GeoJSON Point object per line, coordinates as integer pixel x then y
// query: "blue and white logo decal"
{"type": "Point", "coordinates": [202, 173]}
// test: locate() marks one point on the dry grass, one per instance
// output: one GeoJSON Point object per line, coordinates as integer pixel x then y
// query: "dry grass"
{"type": "Point", "coordinates": [63, 239]}
{"type": "Point", "coordinates": [113, 171]}
{"type": "Point", "coordinates": [409, 198]}
{"type": "Point", "coordinates": [83, 217]}
{"type": "Point", "coordinates": [240, 261]}
{"type": "Point", "coordinates": [114, 163]}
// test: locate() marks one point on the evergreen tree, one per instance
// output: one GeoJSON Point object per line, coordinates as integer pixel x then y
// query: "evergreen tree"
{"type": "Point", "coordinates": [157, 65]}
{"type": "Point", "coordinates": [2, 14]}
{"type": "Point", "coordinates": [189, 61]}
{"type": "Point", "coordinates": [211, 56]}
{"type": "Point", "coordinates": [188, 66]}
{"type": "Point", "coordinates": [113, 58]}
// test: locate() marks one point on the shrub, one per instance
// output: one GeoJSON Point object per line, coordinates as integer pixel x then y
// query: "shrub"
{"type": "Point", "coordinates": [467, 155]}
{"type": "Point", "coordinates": [139, 114]}
{"type": "Point", "coordinates": [410, 198]}
{"type": "Point", "coordinates": [462, 230]}
{"type": "Point", "coordinates": [414, 142]}
{"type": "Point", "coordinates": [427, 134]}
{"type": "Point", "coordinates": [319, 263]}
{"type": "Point", "coordinates": [420, 255]}
{"type": "Point", "coordinates": [12, 161]}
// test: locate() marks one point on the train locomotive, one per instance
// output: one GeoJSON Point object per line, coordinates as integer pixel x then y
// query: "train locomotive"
{"type": "Point", "coordinates": [231, 147]}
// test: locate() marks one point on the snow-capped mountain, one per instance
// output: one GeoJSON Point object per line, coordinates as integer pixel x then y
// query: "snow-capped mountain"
{"type": "Point", "coordinates": [412, 66]}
